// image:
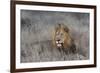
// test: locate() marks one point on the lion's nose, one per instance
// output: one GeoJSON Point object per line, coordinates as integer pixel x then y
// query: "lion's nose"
{"type": "Point", "coordinates": [58, 40]}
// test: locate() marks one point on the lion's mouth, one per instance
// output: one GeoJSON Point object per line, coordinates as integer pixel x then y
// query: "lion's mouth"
{"type": "Point", "coordinates": [59, 43]}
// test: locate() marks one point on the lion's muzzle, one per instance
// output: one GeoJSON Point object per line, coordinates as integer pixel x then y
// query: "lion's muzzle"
{"type": "Point", "coordinates": [59, 43]}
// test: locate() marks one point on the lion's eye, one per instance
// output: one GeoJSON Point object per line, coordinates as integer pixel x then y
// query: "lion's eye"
{"type": "Point", "coordinates": [61, 34]}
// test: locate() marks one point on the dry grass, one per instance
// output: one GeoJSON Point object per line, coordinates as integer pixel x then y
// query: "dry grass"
{"type": "Point", "coordinates": [36, 29]}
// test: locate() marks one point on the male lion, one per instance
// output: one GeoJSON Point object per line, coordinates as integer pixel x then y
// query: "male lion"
{"type": "Point", "coordinates": [62, 39]}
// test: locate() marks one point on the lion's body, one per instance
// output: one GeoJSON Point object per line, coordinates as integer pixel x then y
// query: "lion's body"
{"type": "Point", "coordinates": [62, 38]}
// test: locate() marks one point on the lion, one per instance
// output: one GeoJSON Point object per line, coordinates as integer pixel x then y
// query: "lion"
{"type": "Point", "coordinates": [62, 39]}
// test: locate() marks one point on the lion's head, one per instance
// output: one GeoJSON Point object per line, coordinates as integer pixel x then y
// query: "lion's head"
{"type": "Point", "coordinates": [61, 37]}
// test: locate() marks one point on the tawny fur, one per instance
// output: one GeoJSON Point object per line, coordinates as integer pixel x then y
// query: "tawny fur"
{"type": "Point", "coordinates": [63, 31]}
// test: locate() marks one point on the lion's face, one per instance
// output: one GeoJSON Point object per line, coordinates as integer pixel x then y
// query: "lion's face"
{"type": "Point", "coordinates": [61, 38]}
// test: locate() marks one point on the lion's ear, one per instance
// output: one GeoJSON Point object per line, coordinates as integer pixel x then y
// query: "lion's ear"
{"type": "Point", "coordinates": [66, 29]}
{"type": "Point", "coordinates": [57, 27]}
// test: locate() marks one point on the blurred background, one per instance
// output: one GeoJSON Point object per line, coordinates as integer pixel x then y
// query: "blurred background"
{"type": "Point", "coordinates": [36, 35]}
